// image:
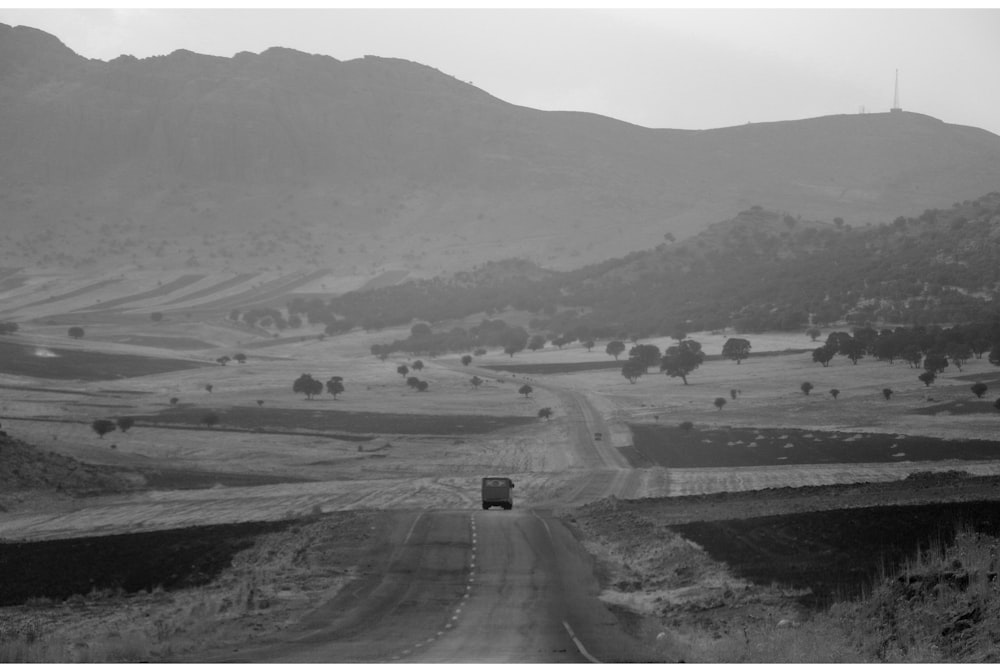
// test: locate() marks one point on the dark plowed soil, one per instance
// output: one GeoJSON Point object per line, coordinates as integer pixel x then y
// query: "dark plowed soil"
{"type": "Point", "coordinates": [329, 418]}
{"type": "Point", "coordinates": [835, 554]}
{"type": "Point", "coordinates": [674, 447]}
{"type": "Point", "coordinates": [170, 559]}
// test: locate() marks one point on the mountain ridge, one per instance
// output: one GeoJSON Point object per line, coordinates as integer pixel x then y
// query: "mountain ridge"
{"type": "Point", "coordinates": [397, 165]}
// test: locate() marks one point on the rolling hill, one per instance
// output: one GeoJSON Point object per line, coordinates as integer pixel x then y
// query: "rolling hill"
{"type": "Point", "coordinates": [286, 160]}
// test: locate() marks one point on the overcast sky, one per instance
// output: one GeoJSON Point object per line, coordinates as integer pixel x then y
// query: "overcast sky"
{"type": "Point", "coordinates": [665, 68]}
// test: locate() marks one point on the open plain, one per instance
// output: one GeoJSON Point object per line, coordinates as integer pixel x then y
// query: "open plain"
{"type": "Point", "coordinates": [685, 534]}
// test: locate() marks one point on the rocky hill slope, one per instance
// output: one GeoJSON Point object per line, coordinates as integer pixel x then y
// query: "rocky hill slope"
{"type": "Point", "coordinates": [285, 157]}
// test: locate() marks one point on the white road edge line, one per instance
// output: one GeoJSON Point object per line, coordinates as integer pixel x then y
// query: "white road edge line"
{"type": "Point", "coordinates": [572, 635]}
{"type": "Point", "coordinates": [579, 646]}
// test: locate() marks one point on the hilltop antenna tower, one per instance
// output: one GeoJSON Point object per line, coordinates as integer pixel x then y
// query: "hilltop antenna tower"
{"type": "Point", "coordinates": [895, 99]}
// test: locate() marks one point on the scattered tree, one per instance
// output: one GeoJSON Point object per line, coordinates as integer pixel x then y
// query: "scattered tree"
{"type": "Point", "coordinates": [733, 393]}
{"type": "Point", "coordinates": [835, 393]}
{"type": "Point", "coordinates": [412, 382]}
{"type": "Point", "coordinates": [927, 377]}
{"type": "Point", "coordinates": [935, 363]}
{"type": "Point", "coordinates": [422, 385]}
{"type": "Point", "coordinates": [403, 370]}
{"type": "Point", "coordinates": [305, 384]}
{"type": "Point", "coordinates": [633, 369]}
{"type": "Point", "coordinates": [589, 344]}
{"type": "Point", "coordinates": [814, 333]}
{"type": "Point", "coordinates": [887, 393]}
{"type": "Point", "coordinates": [979, 389]}
{"type": "Point", "coordinates": [223, 360]}
{"type": "Point", "coordinates": [260, 402]}
{"type": "Point", "coordinates": [545, 413]}
{"type": "Point", "coordinates": [210, 419]}
{"type": "Point", "coordinates": [525, 390]}
{"type": "Point", "coordinates": [536, 343]}
{"type": "Point", "coordinates": [806, 387]}
{"type": "Point", "coordinates": [418, 365]}
{"type": "Point", "coordinates": [823, 355]}
{"type": "Point", "coordinates": [720, 402]}
{"type": "Point", "coordinates": [334, 386]}
{"type": "Point", "coordinates": [75, 332]}
{"type": "Point", "coordinates": [996, 404]}
{"type": "Point", "coordinates": [156, 316]}
{"type": "Point", "coordinates": [8, 328]}
{"type": "Point", "coordinates": [616, 347]}
{"type": "Point", "coordinates": [102, 426]}
{"type": "Point", "coordinates": [682, 359]}
{"type": "Point", "coordinates": [208, 388]}
{"type": "Point", "coordinates": [240, 358]}
{"type": "Point", "coordinates": [736, 349]}
{"type": "Point", "coordinates": [466, 359]}
{"type": "Point", "coordinates": [174, 400]}
{"type": "Point", "coordinates": [647, 355]}
{"type": "Point", "coordinates": [476, 381]}
{"type": "Point", "coordinates": [125, 423]}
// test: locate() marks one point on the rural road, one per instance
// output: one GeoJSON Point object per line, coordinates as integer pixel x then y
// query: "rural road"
{"type": "Point", "coordinates": [463, 586]}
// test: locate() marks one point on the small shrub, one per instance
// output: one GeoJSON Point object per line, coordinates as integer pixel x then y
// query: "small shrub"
{"type": "Point", "coordinates": [806, 387]}
{"type": "Point", "coordinates": [979, 389]}
{"type": "Point", "coordinates": [887, 393]}
{"type": "Point", "coordinates": [835, 393]}
{"type": "Point", "coordinates": [720, 402]}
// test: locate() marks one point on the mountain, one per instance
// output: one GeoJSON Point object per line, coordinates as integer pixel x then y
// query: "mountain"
{"type": "Point", "coordinates": [761, 270]}
{"type": "Point", "coordinates": [288, 159]}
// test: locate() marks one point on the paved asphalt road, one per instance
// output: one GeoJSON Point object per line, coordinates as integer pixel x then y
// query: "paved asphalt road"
{"type": "Point", "coordinates": [464, 586]}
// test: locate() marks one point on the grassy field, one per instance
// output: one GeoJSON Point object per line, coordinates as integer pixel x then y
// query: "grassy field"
{"type": "Point", "coordinates": [428, 445]}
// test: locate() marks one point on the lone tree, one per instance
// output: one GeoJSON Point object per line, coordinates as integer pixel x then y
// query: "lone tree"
{"type": "Point", "coordinates": [927, 377]}
{"type": "Point", "coordinates": [887, 393]}
{"type": "Point", "coordinates": [476, 381]}
{"type": "Point", "coordinates": [240, 358]}
{"type": "Point", "coordinates": [720, 402]}
{"type": "Point", "coordinates": [125, 423]}
{"type": "Point", "coordinates": [335, 385]}
{"type": "Point", "coordinates": [102, 426]}
{"type": "Point", "coordinates": [835, 393]}
{"type": "Point", "coordinates": [682, 359]}
{"type": "Point", "coordinates": [616, 347]}
{"type": "Point", "coordinates": [633, 369]}
{"type": "Point", "coordinates": [75, 332]}
{"type": "Point", "coordinates": [589, 344]}
{"type": "Point", "coordinates": [979, 389]}
{"type": "Point", "coordinates": [466, 359]}
{"type": "Point", "coordinates": [806, 387]}
{"type": "Point", "coordinates": [403, 370]}
{"type": "Point", "coordinates": [545, 413]}
{"type": "Point", "coordinates": [525, 390]}
{"type": "Point", "coordinates": [308, 386]}
{"type": "Point", "coordinates": [736, 349]}
{"type": "Point", "coordinates": [210, 420]}
{"type": "Point", "coordinates": [223, 360]}
{"type": "Point", "coordinates": [418, 365]}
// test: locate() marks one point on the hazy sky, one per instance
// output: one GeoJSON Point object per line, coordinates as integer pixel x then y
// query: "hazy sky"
{"type": "Point", "coordinates": [675, 68]}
